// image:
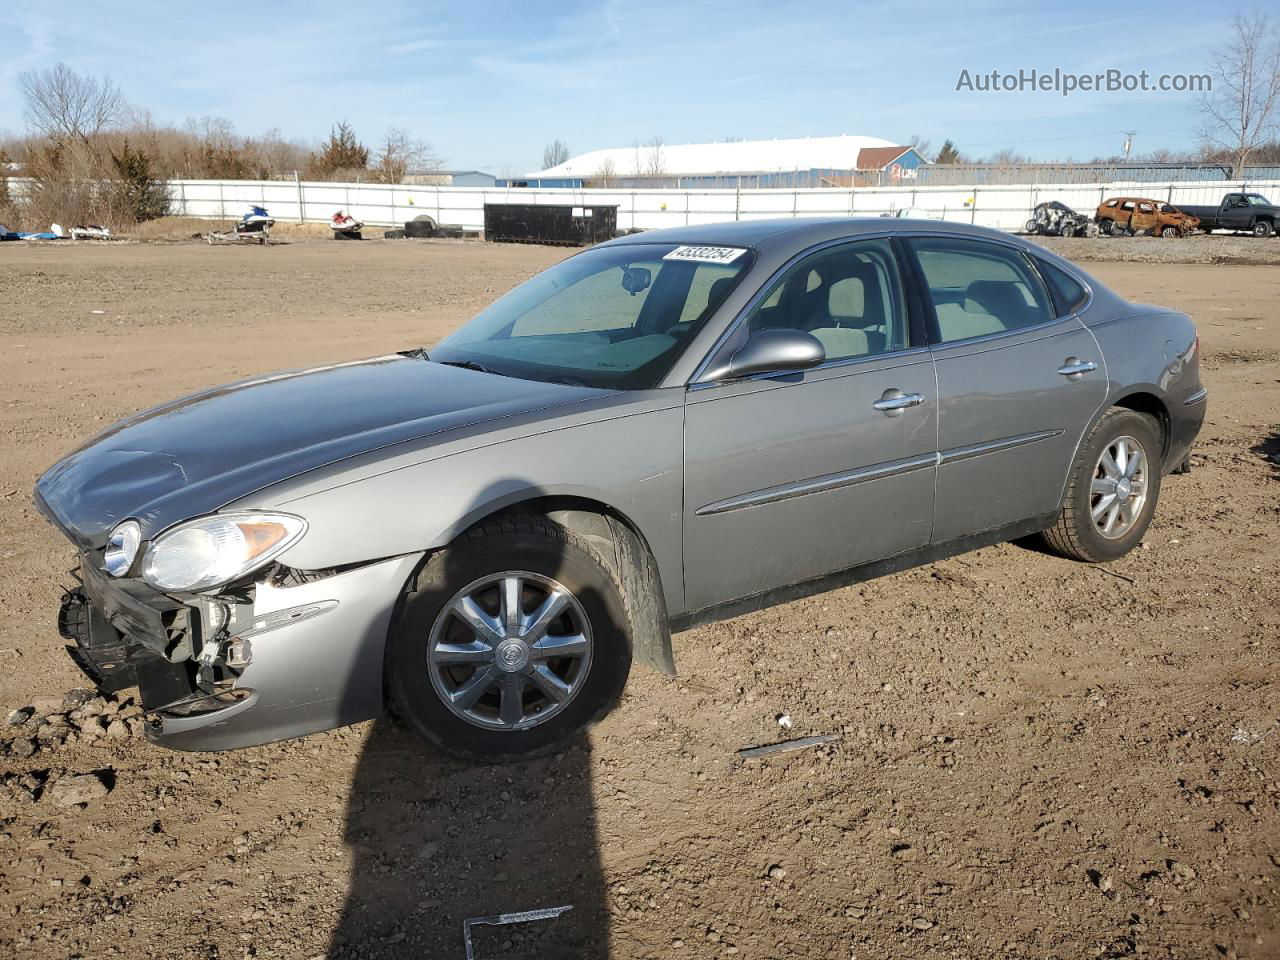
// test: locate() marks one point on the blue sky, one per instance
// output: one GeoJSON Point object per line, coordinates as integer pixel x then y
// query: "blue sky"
{"type": "Point", "coordinates": [489, 83]}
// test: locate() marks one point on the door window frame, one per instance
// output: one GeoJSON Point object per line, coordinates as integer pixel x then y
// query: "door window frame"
{"type": "Point", "coordinates": [916, 305]}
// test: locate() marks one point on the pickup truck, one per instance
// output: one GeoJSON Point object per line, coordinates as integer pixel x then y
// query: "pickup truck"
{"type": "Point", "coordinates": [1239, 211]}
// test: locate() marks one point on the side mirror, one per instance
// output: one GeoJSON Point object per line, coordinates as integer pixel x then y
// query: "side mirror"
{"type": "Point", "coordinates": [771, 351]}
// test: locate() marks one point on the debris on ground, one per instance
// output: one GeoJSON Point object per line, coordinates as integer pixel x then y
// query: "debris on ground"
{"type": "Point", "coordinates": [788, 745]}
{"type": "Point", "coordinates": [502, 919]}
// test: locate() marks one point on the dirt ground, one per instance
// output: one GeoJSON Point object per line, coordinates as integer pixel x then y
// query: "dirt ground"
{"type": "Point", "coordinates": [1038, 758]}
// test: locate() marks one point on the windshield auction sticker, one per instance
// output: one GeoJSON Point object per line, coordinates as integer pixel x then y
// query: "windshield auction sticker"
{"type": "Point", "coordinates": [706, 254]}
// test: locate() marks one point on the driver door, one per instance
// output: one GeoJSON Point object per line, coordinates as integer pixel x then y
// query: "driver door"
{"type": "Point", "coordinates": [792, 476]}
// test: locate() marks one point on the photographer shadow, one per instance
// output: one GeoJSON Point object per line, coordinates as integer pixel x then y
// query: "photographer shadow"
{"type": "Point", "coordinates": [437, 841]}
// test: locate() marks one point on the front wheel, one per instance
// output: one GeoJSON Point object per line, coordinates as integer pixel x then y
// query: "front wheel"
{"type": "Point", "coordinates": [1169, 233]}
{"type": "Point", "coordinates": [1262, 228]}
{"type": "Point", "coordinates": [510, 641]}
{"type": "Point", "coordinates": [1112, 491]}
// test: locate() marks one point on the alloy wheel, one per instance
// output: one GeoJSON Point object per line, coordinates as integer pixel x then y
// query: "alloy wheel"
{"type": "Point", "coordinates": [510, 651]}
{"type": "Point", "coordinates": [1119, 488]}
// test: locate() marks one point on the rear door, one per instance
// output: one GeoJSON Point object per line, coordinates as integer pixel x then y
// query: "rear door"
{"type": "Point", "coordinates": [1018, 380]}
{"type": "Point", "coordinates": [792, 476]}
{"type": "Point", "coordinates": [1144, 217]}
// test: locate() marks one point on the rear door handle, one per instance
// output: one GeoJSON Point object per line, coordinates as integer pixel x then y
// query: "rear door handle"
{"type": "Point", "coordinates": [893, 401]}
{"type": "Point", "coordinates": [1074, 369]}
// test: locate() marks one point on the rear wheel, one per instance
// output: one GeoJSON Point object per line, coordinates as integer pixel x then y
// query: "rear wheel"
{"type": "Point", "coordinates": [510, 641]}
{"type": "Point", "coordinates": [1031, 227]}
{"type": "Point", "coordinates": [1113, 489]}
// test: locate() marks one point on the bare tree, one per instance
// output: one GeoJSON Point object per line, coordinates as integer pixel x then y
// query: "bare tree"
{"type": "Point", "coordinates": [920, 145]}
{"type": "Point", "coordinates": [655, 164]}
{"type": "Point", "coordinates": [554, 153]}
{"type": "Point", "coordinates": [1006, 157]}
{"type": "Point", "coordinates": [400, 155]}
{"type": "Point", "coordinates": [65, 106]}
{"type": "Point", "coordinates": [1242, 111]}
{"type": "Point", "coordinates": [607, 173]}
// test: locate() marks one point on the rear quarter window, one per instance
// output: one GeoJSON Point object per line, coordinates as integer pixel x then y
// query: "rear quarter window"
{"type": "Point", "coordinates": [1068, 292]}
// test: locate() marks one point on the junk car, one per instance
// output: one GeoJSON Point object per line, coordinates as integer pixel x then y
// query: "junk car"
{"type": "Point", "coordinates": [1129, 216]}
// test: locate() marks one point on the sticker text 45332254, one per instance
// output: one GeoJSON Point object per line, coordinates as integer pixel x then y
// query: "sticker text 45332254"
{"type": "Point", "coordinates": [706, 254]}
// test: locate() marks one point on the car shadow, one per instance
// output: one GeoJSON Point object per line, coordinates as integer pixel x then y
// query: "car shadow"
{"type": "Point", "coordinates": [436, 841]}
{"type": "Point", "coordinates": [1269, 449]}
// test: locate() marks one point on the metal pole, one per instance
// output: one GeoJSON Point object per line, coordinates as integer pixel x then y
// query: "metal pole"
{"type": "Point", "coordinates": [302, 215]}
{"type": "Point", "coordinates": [222, 203]}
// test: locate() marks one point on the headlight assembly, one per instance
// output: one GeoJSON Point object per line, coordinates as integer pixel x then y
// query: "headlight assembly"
{"type": "Point", "coordinates": [122, 547]}
{"type": "Point", "coordinates": [212, 551]}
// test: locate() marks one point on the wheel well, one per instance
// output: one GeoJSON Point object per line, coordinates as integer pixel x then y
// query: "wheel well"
{"type": "Point", "coordinates": [619, 543]}
{"type": "Point", "coordinates": [1153, 407]}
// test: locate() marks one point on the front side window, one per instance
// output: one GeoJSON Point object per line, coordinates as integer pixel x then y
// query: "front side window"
{"type": "Point", "coordinates": [850, 297]}
{"type": "Point", "coordinates": [616, 317]}
{"type": "Point", "coordinates": [979, 289]}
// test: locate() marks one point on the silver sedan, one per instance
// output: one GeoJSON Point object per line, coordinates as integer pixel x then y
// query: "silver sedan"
{"type": "Point", "coordinates": [660, 431]}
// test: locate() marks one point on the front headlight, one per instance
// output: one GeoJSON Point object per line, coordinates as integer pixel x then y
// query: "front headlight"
{"type": "Point", "coordinates": [212, 551]}
{"type": "Point", "coordinates": [122, 547]}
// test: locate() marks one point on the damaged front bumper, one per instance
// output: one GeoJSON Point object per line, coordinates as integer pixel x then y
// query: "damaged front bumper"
{"type": "Point", "coordinates": [286, 660]}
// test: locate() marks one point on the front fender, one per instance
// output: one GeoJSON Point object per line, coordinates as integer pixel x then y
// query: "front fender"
{"type": "Point", "coordinates": [631, 464]}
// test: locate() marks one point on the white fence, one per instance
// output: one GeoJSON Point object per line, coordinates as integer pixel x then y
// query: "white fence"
{"type": "Point", "coordinates": [1003, 207]}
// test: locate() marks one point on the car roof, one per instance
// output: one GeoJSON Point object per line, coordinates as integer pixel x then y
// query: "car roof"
{"type": "Point", "coordinates": [802, 231]}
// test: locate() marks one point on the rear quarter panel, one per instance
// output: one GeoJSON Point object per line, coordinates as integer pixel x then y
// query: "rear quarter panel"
{"type": "Point", "coordinates": [1153, 350]}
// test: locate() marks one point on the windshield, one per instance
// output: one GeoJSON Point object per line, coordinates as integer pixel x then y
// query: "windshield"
{"type": "Point", "coordinates": [1257, 199]}
{"type": "Point", "coordinates": [613, 316]}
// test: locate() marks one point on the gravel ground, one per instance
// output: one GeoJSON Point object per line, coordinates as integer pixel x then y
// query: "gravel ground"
{"type": "Point", "coordinates": [1226, 248]}
{"type": "Point", "coordinates": [1036, 758]}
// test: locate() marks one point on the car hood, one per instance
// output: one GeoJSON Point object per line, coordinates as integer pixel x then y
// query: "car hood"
{"type": "Point", "coordinates": [194, 455]}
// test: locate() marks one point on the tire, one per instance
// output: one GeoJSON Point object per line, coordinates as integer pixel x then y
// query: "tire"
{"type": "Point", "coordinates": [1031, 227]}
{"type": "Point", "coordinates": [1067, 230]}
{"type": "Point", "coordinates": [546, 557]}
{"type": "Point", "coordinates": [1263, 228]}
{"type": "Point", "coordinates": [1105, 227]}
{"type": "Point", "coordinates": [1169, 233]}
{"type": "Point", "coordinates": [1077, 535]}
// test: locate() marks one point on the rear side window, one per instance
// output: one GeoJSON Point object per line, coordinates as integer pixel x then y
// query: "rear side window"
{"type": "Point", "coordinates": [979, 289]}
{"type": "Point", "coordinates": [1069, 292]}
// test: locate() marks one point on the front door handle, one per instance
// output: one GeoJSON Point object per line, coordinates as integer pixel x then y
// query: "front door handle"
{"type": "Point", "coordinates": [1074, 368]}
{"type": "Point", "coordinates": [893, 401]}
